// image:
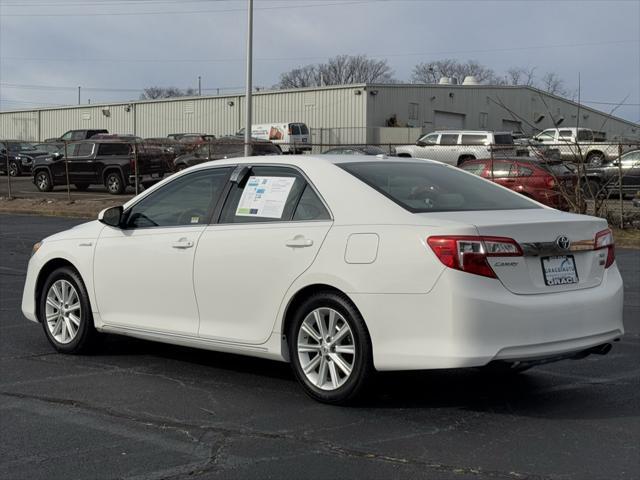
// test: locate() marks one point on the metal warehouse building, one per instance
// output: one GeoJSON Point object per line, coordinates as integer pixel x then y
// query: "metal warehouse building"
{"type": "Point", "coordinates": [338, 114]}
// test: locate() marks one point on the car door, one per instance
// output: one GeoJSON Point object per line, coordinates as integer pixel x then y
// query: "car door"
{"type": "Point", "coordinates": [143, 272]}
{"type": "Point", "coordinates": [448, 149]}
{"type": "Point", "coordinates": [630, 171]}
{"type": "Point", "coordinates": [269, 232]}
{"type": "Point", "coordinates": [81, 164]}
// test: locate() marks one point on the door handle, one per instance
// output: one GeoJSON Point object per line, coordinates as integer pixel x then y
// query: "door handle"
{"type": "Point", "coordinates": [182, 243]}
{"type": "Point", "coordinates": [299, 241]}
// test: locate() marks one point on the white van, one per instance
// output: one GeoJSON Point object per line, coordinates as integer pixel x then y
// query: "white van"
{"type": "Point", "coordinates": [290, 137]}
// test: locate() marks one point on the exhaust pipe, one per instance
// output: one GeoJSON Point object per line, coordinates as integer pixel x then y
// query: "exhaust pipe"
{"type": "Point", "coordinates": [601, 349]}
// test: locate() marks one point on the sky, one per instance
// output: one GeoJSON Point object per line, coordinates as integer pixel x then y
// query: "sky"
{"type": "Point", "coordinates": [112, 49]}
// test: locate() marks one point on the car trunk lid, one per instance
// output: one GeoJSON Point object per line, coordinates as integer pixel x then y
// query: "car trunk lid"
{"type": "Point", "coordinates": [549, 264]}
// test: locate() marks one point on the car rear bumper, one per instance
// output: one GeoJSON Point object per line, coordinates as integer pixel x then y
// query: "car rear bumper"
{"type": "Point", "coordinates": [468, 321]}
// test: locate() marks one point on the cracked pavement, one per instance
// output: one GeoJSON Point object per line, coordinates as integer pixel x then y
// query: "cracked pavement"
{"type": "Point", "coordinates": [142, 410]}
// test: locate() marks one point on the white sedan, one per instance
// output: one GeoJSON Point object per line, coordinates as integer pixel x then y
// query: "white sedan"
{"type": "Point", "coordinates": [339, 265]}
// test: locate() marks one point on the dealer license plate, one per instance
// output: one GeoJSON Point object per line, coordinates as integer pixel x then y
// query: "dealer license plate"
{"type": "Point", "coordinates": [559, 270]}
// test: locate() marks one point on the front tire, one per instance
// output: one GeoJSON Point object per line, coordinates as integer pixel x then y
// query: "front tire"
{"type": "Point", "coordinates": [43, 181]}
{"type": "Point", "coordinates": [330, 348]}
{"type": "Point", "coordinates": [65, 312]}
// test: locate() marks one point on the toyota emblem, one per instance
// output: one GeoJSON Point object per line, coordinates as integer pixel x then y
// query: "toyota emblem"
{"type": "Point", "coordinates": [563, 242]}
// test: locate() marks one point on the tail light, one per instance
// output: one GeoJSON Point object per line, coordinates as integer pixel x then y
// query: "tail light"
{"type": "Point", "coordinates": [551, 182]}
{"type": "Point", "coordinates": [469, 254]}
{"type": "Point", "coordinates": [604, 239]}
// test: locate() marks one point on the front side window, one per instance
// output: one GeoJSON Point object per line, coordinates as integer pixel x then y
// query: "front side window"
{"type": "Point", "coordinates": [266, 194]}
{"type": "Point", "coordinates": [547, 135]}
{"type": "Point", "coordinates": [428, 187]}
{"type": "Point", "coordinates": [67, 136]}
{"type": "Point", "coordinates": [448, 139]}
{"type": "Point", "coordinates": [631, 158]}
{"type": "Point", "coordinates": [186, 201]}
{"type": "Point", "coordinates": [431, 138]}
{"type": "Point", "coordinates": [84, 150]}
{"type": "Point", "coordinates": [565, 133]}
{"type": "Point", "coordinates": [295, 129]}
{"type": "Point", "coordinates": [77, 135]}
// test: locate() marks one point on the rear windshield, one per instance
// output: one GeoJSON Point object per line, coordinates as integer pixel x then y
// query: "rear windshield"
{"type": "Point", "coordinates": [427, 187]}
{"type": "Point", "coordinates": [503, 139]}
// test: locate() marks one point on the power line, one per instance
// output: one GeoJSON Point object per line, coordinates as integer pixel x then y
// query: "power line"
{"type": "Point", "coordinates": [188, 12]}
{"type": "Point", "coordinates": [375, 55]}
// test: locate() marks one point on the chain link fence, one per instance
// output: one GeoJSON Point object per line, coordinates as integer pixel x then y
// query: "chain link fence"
{"type": "Point", "coordinates": [599, 178]}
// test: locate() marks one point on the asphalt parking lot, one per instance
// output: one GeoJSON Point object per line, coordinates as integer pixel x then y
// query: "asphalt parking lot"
{"type": "Point", "coordinates": [139, 410]}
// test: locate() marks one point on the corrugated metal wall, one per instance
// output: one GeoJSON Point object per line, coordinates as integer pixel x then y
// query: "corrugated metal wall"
{"type": "Point", "coordinates": [485, 108]}
{"type": "Point", "coordinates": [349, 108]}
{"type": "Point", "coordinates": [319, 108]}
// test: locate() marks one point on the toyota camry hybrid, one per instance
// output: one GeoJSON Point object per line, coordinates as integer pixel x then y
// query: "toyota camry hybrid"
{"type": "Point", "coordinates": [340, 265]}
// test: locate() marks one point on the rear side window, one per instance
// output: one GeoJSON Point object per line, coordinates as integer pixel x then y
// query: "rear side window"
{"type": "Point", "coordinates": [500, 169]}
{"type": "Point", "coordinates": [113, 149]}
{"type": "Point", "coordinates": [266, 194]}
{"type": "Point", "coordinates": [310, 207]}
{"type": "Point", "coordinates": [503, 139]}
{"type": "Point", "coordinates": [474, 140]}
{"type": "Point", "coordinates": [448, 139]}
{"type": "Point", "coordinates": [426, 187]}
{"type": "Point", "coordinates": [557, 169]}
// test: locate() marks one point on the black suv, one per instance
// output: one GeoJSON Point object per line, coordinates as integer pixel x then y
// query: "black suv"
{"type": "Point", "coordinates": [16, 156]}
{"type": "Point", "coordinates": [226, 147]}
{"type": "Point", "coordinates": [74, 135]}
{"type": "Point", "coordinates": [111, 163]}
{"type": "Point", "coordinates": [603, 176]}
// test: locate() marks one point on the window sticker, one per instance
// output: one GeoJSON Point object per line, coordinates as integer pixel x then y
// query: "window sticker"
{"type": "Point", "coordinates": [265, 197]}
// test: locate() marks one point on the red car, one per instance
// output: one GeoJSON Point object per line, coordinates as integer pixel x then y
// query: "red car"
{"type": "Point", "coordinates": [547, 182]}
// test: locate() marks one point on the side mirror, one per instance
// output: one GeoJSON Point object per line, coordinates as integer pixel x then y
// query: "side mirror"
{"type": "Point", "coordinates": [3, 151]}
{"type": "Point", "coordinates": [111, 216]}
{"type": "Point", "coordinates": [420, 143]}
{"type": "Point", "coordinates": [57, 155]}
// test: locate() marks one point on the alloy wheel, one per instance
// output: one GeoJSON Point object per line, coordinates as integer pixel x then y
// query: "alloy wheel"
{"type": "Point", "coordinates": [113, 183]}
{"type": "Point", "coordinates": [63, 311]}
{"type": "Point", "coordinates": [42, 181]}
{"type": "Point", "coordinates": [326, 349]}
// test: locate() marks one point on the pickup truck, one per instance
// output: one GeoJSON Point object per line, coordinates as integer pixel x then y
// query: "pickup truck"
{"type": "Point", "coordinates": [111, 163]}
{"type": "Point", "coordinates": [456, 147]}
{"type": "Point", "coordinates": [579, 143]}
{"type": "Point", "coordinates": [76, 135]}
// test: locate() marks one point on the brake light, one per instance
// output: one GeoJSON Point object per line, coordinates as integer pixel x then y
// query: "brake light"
{"type": "Point", "coordinates": [469, 254]}
{"type": "Point", "coordinates": [604, 239]}
{"type": "Point", "coordinates": [551, 182]}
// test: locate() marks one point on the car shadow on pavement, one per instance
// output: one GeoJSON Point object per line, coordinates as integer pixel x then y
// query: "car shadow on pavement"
{"type": "Point", "coordinates": [540, 392]}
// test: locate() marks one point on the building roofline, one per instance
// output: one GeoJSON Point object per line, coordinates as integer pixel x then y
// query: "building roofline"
{"type": "Point", "coordinates": [363, 86]}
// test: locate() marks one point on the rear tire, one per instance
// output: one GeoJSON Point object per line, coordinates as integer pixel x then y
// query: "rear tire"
{"type": "Point", "coordinates": [332, 362]}
{"type": "Point", "coordinates": [14, 169]}
{"type": "Point", "coordinates": [65, 312]}
{"type": "Point", "coordinates": [114, 183]}
{"type": "Point", "coordinates": [43, 181]}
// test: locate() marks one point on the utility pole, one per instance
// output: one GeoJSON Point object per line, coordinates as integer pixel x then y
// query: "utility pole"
{"type": "Point", "coordinates": [248, 87]}
{"type": "Point", "coordinates": [199, 86]}
{"type": "Point", "coordinates": [78, 95]}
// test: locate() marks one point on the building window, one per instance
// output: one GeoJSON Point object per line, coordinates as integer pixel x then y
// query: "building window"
{"type": "Point", "coordinates": [484, 119]}
{"type": "Point", "coordinates": [414, 110]}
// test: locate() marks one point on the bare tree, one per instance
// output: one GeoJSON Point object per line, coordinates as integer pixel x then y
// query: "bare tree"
{"type": "Point", "coordinates": [521, 76]}
{"type": "Point", "coordinates": [431, 72]}
{"type": "Point", "coordinates": [552, 83]}
{"type": "Point", "coordinates": [339, 70]}
{"type": "Point", "coordinates": [152, 93]}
